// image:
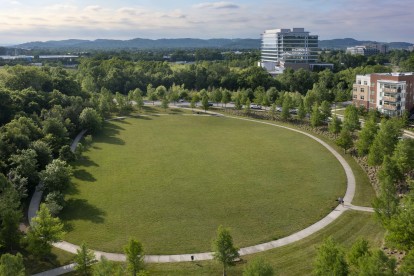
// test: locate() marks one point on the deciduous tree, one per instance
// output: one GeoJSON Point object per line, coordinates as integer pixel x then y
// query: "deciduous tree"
{"type": "Point", "coordinates": [223, 248]}
{"type": "Point", "coordinates": [135, 256]}
{"type": "Point", "coordinates": [330, 259]}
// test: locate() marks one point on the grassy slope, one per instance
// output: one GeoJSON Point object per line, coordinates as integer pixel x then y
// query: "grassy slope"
{"type": "Point", "coordinates": [294, 259]}
{"type": "Point", "coordinates": [173, 197]}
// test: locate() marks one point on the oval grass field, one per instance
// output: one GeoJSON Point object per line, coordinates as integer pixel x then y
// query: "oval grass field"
{"type": "Point", "coordinates": [170, 181]}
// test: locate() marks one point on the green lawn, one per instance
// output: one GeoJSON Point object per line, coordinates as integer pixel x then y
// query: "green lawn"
{"type": "Point", "coordinates": [294, 259]}
{"type": "Point", "coordinates": [169, 181]}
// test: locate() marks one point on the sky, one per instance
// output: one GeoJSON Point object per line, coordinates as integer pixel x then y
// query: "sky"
{"type": "Point", "coordinates": [37, 20]}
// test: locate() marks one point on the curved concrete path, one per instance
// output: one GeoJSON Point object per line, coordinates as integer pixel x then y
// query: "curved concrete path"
{"type": "Point", "coordinates": [339, 210]}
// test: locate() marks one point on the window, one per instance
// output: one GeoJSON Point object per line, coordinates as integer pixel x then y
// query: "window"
{"type": "Point", "coordinates": [365, 83]}
{"type": "Point", "coordinates": [362, 89]}
{"type": "Point", "coordinates": [380, 102]}
{"type": "Point", "coordinates": [359, 81]}
{"type": "Point", "coordinates": [362, 97]}
{"type": "Point", "coordinates": [355, 96]}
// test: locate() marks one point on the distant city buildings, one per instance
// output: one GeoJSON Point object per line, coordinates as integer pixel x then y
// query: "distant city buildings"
{"type": "Point", "coordinates": [390, 93]}
{"type": "Point", "coordinates": [289, 48]}
{"type": "Point", "coordinates": [367, 50]}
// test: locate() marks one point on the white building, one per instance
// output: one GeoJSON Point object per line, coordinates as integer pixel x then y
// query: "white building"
{"type": "Point", "coordinates": [293, 48]}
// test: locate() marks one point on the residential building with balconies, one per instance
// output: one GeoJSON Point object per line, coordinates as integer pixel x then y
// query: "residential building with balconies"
{"type": "Point", "coordinates": [390, 93]}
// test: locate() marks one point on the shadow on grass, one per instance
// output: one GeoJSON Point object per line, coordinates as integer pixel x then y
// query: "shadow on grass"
{"type": "Point", "coordinates": [150, 109]}
{"type": "Point", "coordinates": [83, 175]}
{"type": "Point", "coordinates": [81, 209]}
{"type": "Point", "coordinates": [85, 161]}
{"type": "Point", "coordinates": [176, 110]}
{"type": "Point", "coordinates": [109, 135]}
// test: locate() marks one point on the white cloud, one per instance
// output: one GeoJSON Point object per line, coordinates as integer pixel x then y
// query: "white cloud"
{"type": "Point", "coordinates": [217, 5]}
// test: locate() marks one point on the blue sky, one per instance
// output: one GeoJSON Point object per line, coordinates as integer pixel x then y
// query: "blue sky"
{"type": "Point", "coordinates": [29, 20]}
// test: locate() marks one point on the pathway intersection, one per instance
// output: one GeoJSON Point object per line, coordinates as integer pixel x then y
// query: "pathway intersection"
{"type": "Point", "coordinates": [338, 211]}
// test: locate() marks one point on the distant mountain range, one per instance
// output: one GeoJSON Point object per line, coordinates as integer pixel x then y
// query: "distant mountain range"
{"type": "Point", "coordinates": [183, 43]}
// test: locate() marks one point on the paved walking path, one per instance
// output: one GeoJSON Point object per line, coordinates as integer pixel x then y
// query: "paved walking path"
{"type": "Point", "coordinates": [339, 210]}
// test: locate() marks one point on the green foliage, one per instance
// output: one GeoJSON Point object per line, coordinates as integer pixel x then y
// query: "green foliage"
{"type": "Point", "coordinates": [44, 231]}
{"type": "Point", "coordinates": [84, 258]}
{"type": "Point", "coordinates": [90, 119]}
{"type": "Point", "coordinates": [345, 140]}
{"type": "Point", "coordinates": [223, 248]}
{"type": "Point", "coordinates": [43, 153]}
{"type": "Point", "coordinates": [351, 119]}
{"type": "Point", "coordinates": [24, 163]}
{"type": "Point", "coordinates": [10, 214]}
{"type": "Point", "coordinates": [258, 267]}
{"type": "Point", "coordinates": [316, 116]}
{"type": "Point", "coordinates": [335, 126]}
{"type": "Point", "coordinates": [272, 111]}
{"type": "Point", "coordinates": [330, 259]}
{"type": "Point", "coordinates": [287, 103]}
{"type": "Point", "coordinates": [135, 256]}
{"type": "Point", "coordinates": [407, 267]}
{"type": "Point", "coordinates": [106, 268]}
{"type": "Point", "coordinates": [55, 202]}
{"type": "Point", "coordinates": [56, 176]}
{"type": "Point", "coordinates": [401, 225]}
{"type": "Point", "coordinates": [226, 98]}
{"type": "Point", "coordinates": [366, 136]}
{"type": "Point", "coordinates": [404, 155]}
{"type": "Point", "coordinates": [66, 154]}
{"type": "Point", "coordinates": [12, 265]}
{"type": "Point", "coordinates": [326, 110]}
{"type": "Point", "coordinates": [301, 110]}
{"type": "Point", "coordinates": [359, 249]}
{"type": "Point", "coordinates": [376, 263]}
{"type": "Point", "coordinates": [247, 108]}
{"type": "Point", "coordinates": [386, 203]}
{"type": "Point", "coordinates": [204, 102]}
{"type": "Point", "coordinates": [385, 141]}
{"type": "Point", "coordinates": [164, 103]}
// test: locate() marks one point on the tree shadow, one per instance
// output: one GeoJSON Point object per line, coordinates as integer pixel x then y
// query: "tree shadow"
{"type": "Point", "coordinates": [72, 189]}
{"type": "Point", "coordinates": [150, 109]}
{"type": "Point", "coordinates": [85, 161]}
{"type": "Point", "coordinates": [109, 135]}
{"type": "Point", "coordinates": [83, 175]}
{"type": "Point", "coordinates": [81, 209]}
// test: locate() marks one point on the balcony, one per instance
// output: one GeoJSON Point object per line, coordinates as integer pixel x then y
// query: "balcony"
{"type": "Point", "coordinates": [391, 99]}
{"type": "Point", "coordinates": [390, 107]}
{"type": "Point", "coordinates": [390, 90]}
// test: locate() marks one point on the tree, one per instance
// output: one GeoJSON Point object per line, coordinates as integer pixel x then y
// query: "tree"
{"type": "Point", "coordinates": [272, 111]}
{"type": "Point", "coordinates": [223, 248]}
{"type": "Point", "coordinates": [351, 119]}
{"type": "Point", "coordinates": [164, 103]}
{"type": "Point", "coordinates": [217, 96]}
{"type": "Point", "coordinates": [385, 205]}
{"type": "Point", "coordinates": [135, 256]}
{"type": "Point", "coordinates": [161, 92]}
{"type": "Point", "coordinates": [44, 231]}
{"type": "Point", "coordinates": [90, 119]}
{"type": "Point", "coordinates": [345, 140]}
{"type": "Point", "coordinates": [301, 110]}
{"type": "Point", "coordinates": [247, 107]}
{"type": "Point", "coordinates": [330, 259]}
{"type": "Point", "coordinates": [84, 258]}
{"type": "Point", "coordinates": [136, 96]}
{"type": "Point", "coordinates": [66, 154]}
{"type": "Point", "coordinates": [385, 141]}
{"type": "Point", "coordinates": [400, 227]}
{"type": "Point", "coordinates": [55, 202]}
{"type": "Point", "coordinates": [258, 267]}
{"type": "Point", "coordinates": [10, 214]}
{"type": "Point", "coordinates": [24, 163]}
{"type": "Point", "coordinates": [326, 110]}
{"type": "Point", "coordinates": [316, 116]}
{"type": "Point", "coordinates": [226, 98]}
{"type": "Point", "coordinates": [376, 263]}
{"type": "Point", "coordinates": [106, 268]}
{"type": "Point", "coordinates": [335, 125]}
{"type": "Point", "coordinates": [404, 155]}
{"type": "Point", "coordinates": [407, 267]}
{"type": "Point", "coordinates": [43, 153]}
{"type": "Point", "coordinates": [56, 176]}
{"type": "Point", "coordinates": [152, 96]}
{"type": "Point", "coordinates": [366, 136]}
{"type": "Point", "coordinates": [286, 107]}
{"type": "Point", "coordinates": [12, 265]}
{"type": "Point", "coordinates": [205, 103]}
{"type": "Point", "coordinates": [359, 249]}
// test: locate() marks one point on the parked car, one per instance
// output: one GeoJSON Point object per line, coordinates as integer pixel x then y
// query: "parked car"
{"type": "Point", "coordinates": [255, 106]}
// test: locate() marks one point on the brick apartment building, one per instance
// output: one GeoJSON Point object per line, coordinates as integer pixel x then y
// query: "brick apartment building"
{"type": "Point", "coordinates": [391, 93]}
